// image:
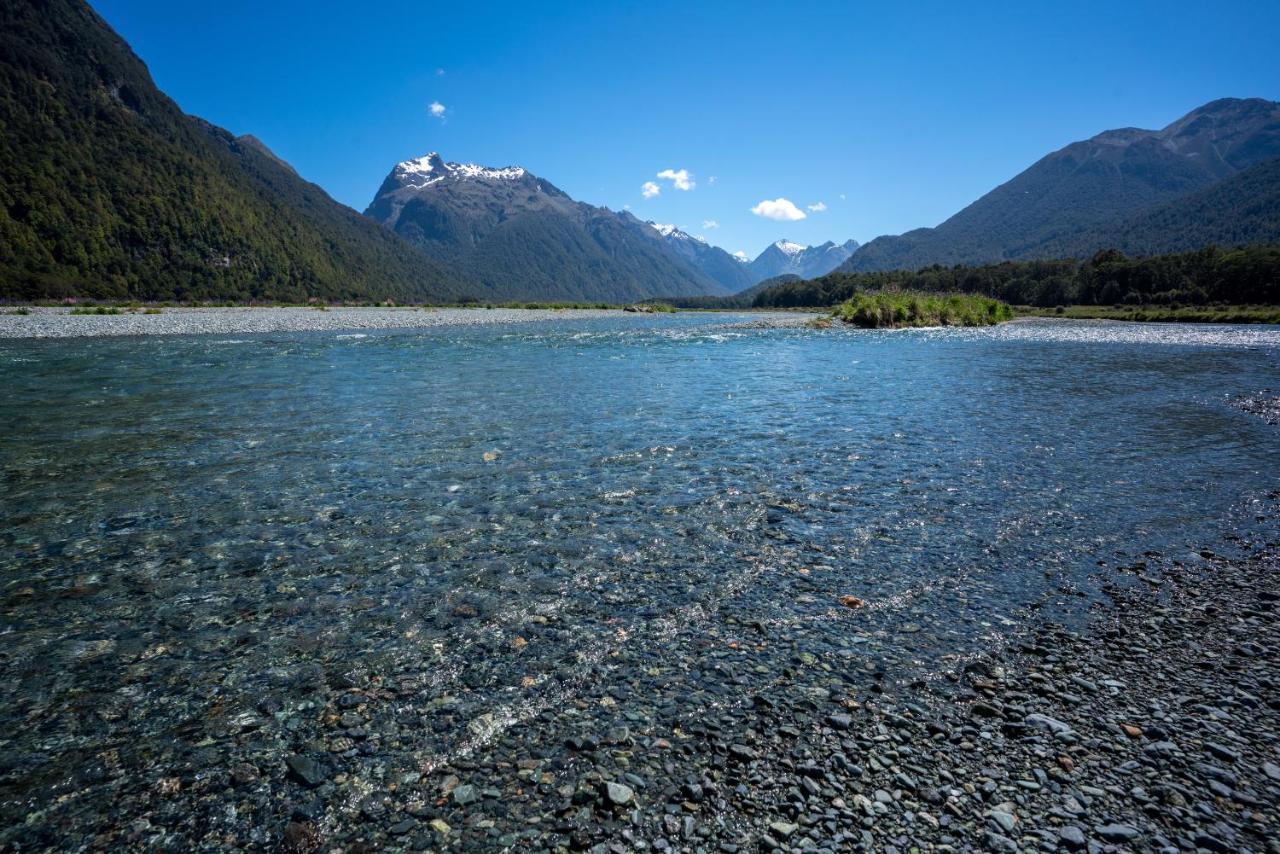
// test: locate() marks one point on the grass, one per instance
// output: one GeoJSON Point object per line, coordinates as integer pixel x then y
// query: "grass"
{"type": "Point", "coordinates": [1162, 313]}
{"type": "Point", "coordinates": [97, 309]}
{"type": "Point", "coordinates": [898, 309]}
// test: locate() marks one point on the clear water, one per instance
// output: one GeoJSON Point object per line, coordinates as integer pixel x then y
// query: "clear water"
{"type": "Point", "coordinates": [501, 521]}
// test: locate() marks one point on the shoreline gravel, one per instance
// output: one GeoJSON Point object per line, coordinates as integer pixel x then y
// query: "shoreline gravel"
{"type": "Point", "coordinates": [60, 323]}
{"type": "Point", "coordinates": [45, 323]}
{"type": "Point", "coordinates": [1154, 727]}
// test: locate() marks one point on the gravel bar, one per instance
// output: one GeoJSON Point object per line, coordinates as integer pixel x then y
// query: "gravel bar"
{"type": "Point", "coordinates": [60, 323]}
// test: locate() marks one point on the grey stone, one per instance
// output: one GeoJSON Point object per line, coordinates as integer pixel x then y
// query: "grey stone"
{"type": "Point", "coordinates": [306, 770]}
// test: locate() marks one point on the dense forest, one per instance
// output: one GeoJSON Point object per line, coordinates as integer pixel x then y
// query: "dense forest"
{"type": "Point", "coordinates": [1248, 275]}
{"type": "Point", "coordinates": [108, 190]}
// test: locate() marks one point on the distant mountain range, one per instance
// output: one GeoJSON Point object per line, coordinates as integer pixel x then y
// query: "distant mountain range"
{"type": "Point", "coordinates": [807, 262]}
{"type": "Point", "coordinates": [1208, 177]}
{"type": "Point", "coordinates": [109, 190]}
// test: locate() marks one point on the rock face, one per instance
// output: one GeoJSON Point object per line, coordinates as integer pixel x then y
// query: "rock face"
{"type": "Point", "coordinates": [807, 262]}
{"type": "Point", "coordinates": [521, 237]}
{"type": "Point", "coordinates": [1112, 191]}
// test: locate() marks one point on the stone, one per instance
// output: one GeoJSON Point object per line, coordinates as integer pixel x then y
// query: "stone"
{"type": "Point", "coordinates": [1223, 752]}
{"type": "Point", "coordinates": [306, 770]}
{"type": "Point", "coordinates": [783, 828]}
{"type": "Point", "coordinates": [299, 838]}
{"type": "Point", "coordinates": [618, 794]}
{"type": "Point", "coordinates": [465, 794]}
{"type": "Point", "coordinates": [1072, 837]}
{"type": "Point", "coordinates": [1047, 724]}
{"type": "Point", "coordinates": [1117, 832]}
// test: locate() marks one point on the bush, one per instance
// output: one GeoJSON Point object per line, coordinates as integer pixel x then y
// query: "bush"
{"type": "Point", "coordinates": [894, 309]}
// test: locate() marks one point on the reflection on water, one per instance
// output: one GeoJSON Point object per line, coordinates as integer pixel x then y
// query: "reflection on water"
{"type": "Point", "coordinates": [207, 537]}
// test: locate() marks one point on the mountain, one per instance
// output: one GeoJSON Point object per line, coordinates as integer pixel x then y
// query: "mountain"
{"type": "Point", "coordinates": [1239, 211]}
{"type": "Point", "coordinates": [807, 262]}
{"type": "Point", "coordinates": [107, 189]}
{"type": "Point", "coordinates": [523, 238]}
{"type": "Point", "coordinates": [711, 260]}
{"type": "Point", "coordinates": [1077, 198]}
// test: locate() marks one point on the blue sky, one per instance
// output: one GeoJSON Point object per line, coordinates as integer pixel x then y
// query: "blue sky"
{"type": "Point", "coordinates": [891, 115]}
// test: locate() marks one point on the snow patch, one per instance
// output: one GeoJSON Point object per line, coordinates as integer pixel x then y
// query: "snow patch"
{"type": "Point", "coordinates": [421, 171]}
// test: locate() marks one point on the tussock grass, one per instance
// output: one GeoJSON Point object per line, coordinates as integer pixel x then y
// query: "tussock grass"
{"type": "Point", "coordinates": [897, 309]}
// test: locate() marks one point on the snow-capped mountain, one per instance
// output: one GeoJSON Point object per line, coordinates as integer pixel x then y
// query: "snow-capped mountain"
{"type": "Point", "coordinates": [524, 238]}
{"type": "Point", "coordinates": [807, 262]}
{"type": "Point", "coordinates": [712, 260]}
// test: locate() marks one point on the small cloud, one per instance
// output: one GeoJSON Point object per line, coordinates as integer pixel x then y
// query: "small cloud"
{"type": "Point", "coordinates": [818, 207]}
{"type": "Point", "coordinates": [439, 72]}
{"type": "Point", "coordinates": [649, 189]}
{"type": "Point", "coordinates": [842, 197]}
{"type": "Point", "coordinates": [626, 207]}
{"type": "Point", "coordinates": [711, 180]}
{"type": "Point", "coordinates": [741, 256]}
{"type": "Point", "coordinates": [436, 109]}
{"type": "Point", "coordinates": [708, 224]}
{"type": "Point", "coordinates": [781, 210]}
{"type": "Point", "coordinates": [679, 178]}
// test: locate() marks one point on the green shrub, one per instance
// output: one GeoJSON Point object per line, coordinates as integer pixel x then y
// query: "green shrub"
{"type": "Point", "coordinates": [894, 309]}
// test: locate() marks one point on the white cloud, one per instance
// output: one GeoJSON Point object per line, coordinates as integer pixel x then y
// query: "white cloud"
{"type": "Point", "coordinates": [842, 197]}
{"type": "Point", "coordinates": [781, 210]}
{"type": "Point", "coordinates": [708, 224]}
{"type": "Point", "coordinates": [819, 207]}
{"type": "Point", "coordinates": [711, 180]}
{"type": "Point", "coordinates": [649, 189]}
{"type": "Point", "coordinates": [741, 256]}
{"type": "Point", "coordinates": [436, 109]}
{"type": "Point", "coordinates": [679, 178]}
{"type": "Point", "coordinates": [439, 72]}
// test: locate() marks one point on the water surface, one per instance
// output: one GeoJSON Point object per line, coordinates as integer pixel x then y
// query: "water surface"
{"type": "Point", "coordinates": [207, 539]}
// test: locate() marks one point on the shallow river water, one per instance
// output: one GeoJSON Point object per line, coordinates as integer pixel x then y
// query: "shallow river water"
{"type": "Point", "coordinates": [208, 541]}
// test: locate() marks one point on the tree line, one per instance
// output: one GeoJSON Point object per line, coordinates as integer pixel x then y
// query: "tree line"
{"type": "Point", "coordinates": [1241, 276]}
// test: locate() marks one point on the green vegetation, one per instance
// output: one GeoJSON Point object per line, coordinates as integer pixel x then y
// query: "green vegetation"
{"type": "Point", "coordinates": [108, 190]}
{"type": "Point", "coordinates": [1245, 276]}
{"type": "Point", "coordinates": [1161, 314]}
{"type": "Point", "coordinates": [1242, 210]}
{"type": "Point", "coordinates": [895, 309]}
{"type": "Point", "coordinates": [97, 309]}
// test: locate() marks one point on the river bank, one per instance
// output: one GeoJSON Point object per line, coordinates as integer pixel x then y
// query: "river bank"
{"type": "Point", "coordinates": [41, 322]}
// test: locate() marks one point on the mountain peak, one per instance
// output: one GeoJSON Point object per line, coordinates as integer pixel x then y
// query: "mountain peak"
{"type": "Point", "coordinates": [430, 168]}
{"type": "Point", "coordinates": [786, 257]}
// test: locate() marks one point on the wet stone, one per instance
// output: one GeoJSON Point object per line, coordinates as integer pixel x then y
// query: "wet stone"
{"type": "Point", "coordinates": [306, 770]}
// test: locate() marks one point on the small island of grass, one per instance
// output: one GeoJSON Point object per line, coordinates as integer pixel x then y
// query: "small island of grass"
{"type": "Point", "coordinates": [897, 309]}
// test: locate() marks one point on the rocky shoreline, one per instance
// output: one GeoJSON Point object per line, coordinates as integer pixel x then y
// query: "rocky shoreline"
{"type": "Point", "coordinates": [60, 323]}
{"type": "Point", "coordinates": [1154, 727]}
